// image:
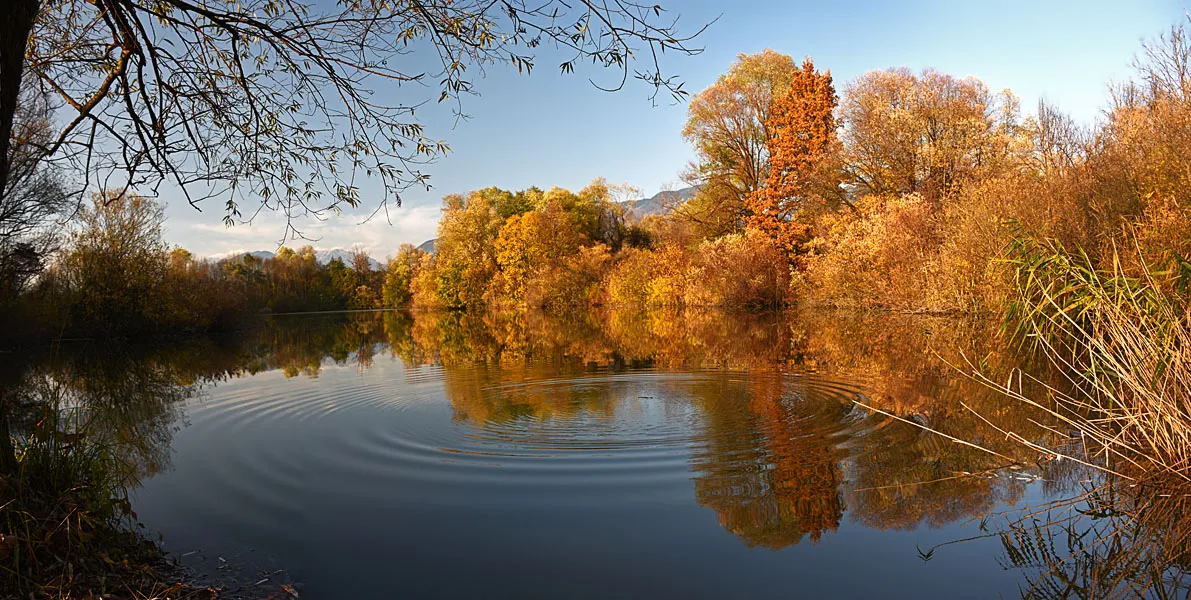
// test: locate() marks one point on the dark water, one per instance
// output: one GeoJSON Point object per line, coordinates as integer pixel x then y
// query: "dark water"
{"type": "Point", "coordinates": [382, 455]}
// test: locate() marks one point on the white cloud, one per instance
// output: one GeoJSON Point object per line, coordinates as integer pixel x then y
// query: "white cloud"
{"type": "Point", "coordinates": [379, 236]}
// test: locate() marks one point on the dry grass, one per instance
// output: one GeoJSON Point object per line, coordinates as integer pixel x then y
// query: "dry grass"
{"type": "Point", "coordinates": [1124, 343]}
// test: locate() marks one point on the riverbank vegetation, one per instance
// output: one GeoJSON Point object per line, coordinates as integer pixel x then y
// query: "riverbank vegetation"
{"type": "Point", "coordinates": [901, 191]}
{"type": "Point", "coordinates": [83, 433]}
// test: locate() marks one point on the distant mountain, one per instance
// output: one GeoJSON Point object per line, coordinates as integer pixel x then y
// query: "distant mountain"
{"type": "Point", "coordinates": [658, 204]}
{"type": "Point", "coordinates": [428, 246]}
{"type": "Point", "coordinates": [322, 256]}
{"type": "Point", "coordinates": [261, 254]}
{"type": "Point", "coordinates": [326, 256]}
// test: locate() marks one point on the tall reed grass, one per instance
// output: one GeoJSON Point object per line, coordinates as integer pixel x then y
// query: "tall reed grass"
{"type": "Point", "coordinates": [1121, 334]}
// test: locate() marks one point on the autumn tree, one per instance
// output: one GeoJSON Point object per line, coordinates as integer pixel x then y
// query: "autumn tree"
{"type": "Point", "coordinates": [198, 295]}
{"type": "Point", "coordinates": [728, 126]}
{"type": "Point", "coordinates": [531, 245]}
{"type": "Point", "coordinates": [287, 105]}
{"type": "Point", "coordinates": [590, 211]}
{"type": "Point", "coordinates": [802, 159]}
{"type": "Point", "coordinates": [399, 276]}
{"type": "Point", "coordinates": [367, 291]}
{"type": "Point", "coordinates": [538, 252]}
{"type": "Point", "coordinates": [528, 244]}
{"type": "Point", "coordinates": [1141, 168]}
{"type": "Point", "coordinates": [296, 282]}
{"type": "Point", "coordinates": [464, 261]}
{"type": "Point", "coordinates": [927, 134]}
{"type": "Point", "coordinates": [117, 263]}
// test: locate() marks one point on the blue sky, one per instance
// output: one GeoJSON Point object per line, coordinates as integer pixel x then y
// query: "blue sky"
{"type": "Point", "coordinates": [548, 129]}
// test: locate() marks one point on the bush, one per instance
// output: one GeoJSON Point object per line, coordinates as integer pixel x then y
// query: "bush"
{"type": "Point", "coordinates": [877, 257]}
{"type": "Point", "coordinates": [739, 270]}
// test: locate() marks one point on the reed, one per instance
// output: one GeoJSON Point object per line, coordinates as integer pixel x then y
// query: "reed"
{"type": "Point", "coordinates": [1121, 335]}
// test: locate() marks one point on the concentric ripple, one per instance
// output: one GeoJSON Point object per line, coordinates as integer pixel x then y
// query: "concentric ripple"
{"type": "Point", "coordinates": [450, 436]}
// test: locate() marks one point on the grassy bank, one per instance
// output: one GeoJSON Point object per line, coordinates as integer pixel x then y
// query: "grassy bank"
{"type": "Point", "coordinates": [74, 445]}
{"type": "Point", "coordinates": [69, 530]}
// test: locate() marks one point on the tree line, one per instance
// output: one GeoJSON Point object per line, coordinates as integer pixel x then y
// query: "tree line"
{"type": "Point", "coordinates": [116, 275]}
{"type": "Point", "coordinates": [904, 190]}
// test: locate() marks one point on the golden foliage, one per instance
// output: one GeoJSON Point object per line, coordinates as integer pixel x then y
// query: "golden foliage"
{"type": "Point", "coordinates": [740, 270]}
{"type": "Point", "coordinates": [925, 134]}
{"type": "Point", "coordinates": [729, 125]}
{"type": "Point", "coordinates": [801, 167]}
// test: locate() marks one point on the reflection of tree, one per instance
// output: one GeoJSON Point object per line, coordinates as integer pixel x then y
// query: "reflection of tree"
{"type": "Point", "coordinates": [768, 470]}
{"type": "Point", "coordinates": [126, 397]}
{"type": "Point", "coordinates": [298, 345]}
{"type": "Point", "coordinates": [902, 476]}
{"type": "Point", "coordinates": [615, 338]}
{"type": "Point", "coordinates": [123, 402]}
{"type": "Point", "coordinates": [779, 457]}
{"type": "Point", "coordinates": [806, 462]}
{"type": "Point", "coordinates": [1112, 541]}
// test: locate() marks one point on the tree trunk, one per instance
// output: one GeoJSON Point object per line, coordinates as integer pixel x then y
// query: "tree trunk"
{"type": "Point", "coordinates": [16, 25]}
{"type": "Point", "coordinates": [8, 456]}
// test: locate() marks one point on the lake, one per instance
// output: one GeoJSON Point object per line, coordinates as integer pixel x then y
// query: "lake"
{"type": "Point", "coordinates": [687, 454]}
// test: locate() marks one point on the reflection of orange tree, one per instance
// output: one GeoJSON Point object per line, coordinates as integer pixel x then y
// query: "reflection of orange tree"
{"type": "Point", "coordinates": [768, 470]}
{"type": "Point", "coordinates": [479, 350]}
{"type": "Point", "coordinates": [806, 464]}
{"type": "Point", "coordinates": [901, 475]}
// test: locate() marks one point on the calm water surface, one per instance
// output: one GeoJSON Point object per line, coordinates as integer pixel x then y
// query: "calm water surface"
{"type": "Point", "coordinates": [380, 455]}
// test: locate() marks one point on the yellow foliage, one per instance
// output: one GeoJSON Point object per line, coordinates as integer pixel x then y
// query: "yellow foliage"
{"type": "Point", "coordinates": [875, 257]}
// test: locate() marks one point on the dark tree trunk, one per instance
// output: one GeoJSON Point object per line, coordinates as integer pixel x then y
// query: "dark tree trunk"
{"type": "Point", "coordinates": [8, 456]}
{"type": "Point", "coordinates": [16, 24]}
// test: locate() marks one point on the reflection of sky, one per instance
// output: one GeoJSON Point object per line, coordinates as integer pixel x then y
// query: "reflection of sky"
{"type": "Point", "coordinates": [341, 480]}
{"type": "Point", "coordinates": [548, 129]}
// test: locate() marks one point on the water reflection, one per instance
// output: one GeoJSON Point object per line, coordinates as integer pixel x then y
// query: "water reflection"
{"type": "Point", "coordinates": [128, 403]}
{"type": "Point", "coordinates": [786, 448]}
{"type": "Point", "coordinates": [755, 412]}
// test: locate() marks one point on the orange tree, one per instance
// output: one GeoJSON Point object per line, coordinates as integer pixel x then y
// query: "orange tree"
{"type": "Point", "coordinates": [802, 150]}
